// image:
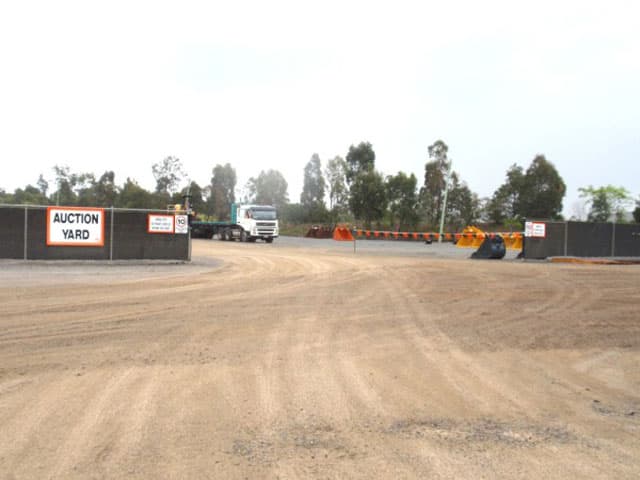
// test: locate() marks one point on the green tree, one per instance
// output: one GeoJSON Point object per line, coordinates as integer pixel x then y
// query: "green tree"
{"type": "Point", "coordinates": [43, 185]}
{"type": "Point", "coordinates": [222, 191]}
{"type": "Point", "coordinates": [292, 213]}
{"type": "Point", "coordinates": [106, 190]}
{"type": "Point", "coordinates": [360, 159]}
{"type": "Point", "coordinates": [606, 202]}
{"type": "Point", "coordinates": [367, 194]}
{"type": "Point", "coordinates": [168, 174]}
{"type": "Point", "coordinates": [312, 196]}
{"type": "Point", "coordinates": [636, 212]}
{"type": "Point", "coordinates": [65, 183]}
{"type": "Point", "coordinates": [269, 188]}
{"type": "Point", "coordinates": [542, 191]}
{"type": "Point", "coordinates": [463, 206]}
{"type": "Point", "coordinates": [314, 184]}
{"type": "Point", "coordinates": [132, 195]}
{"type": "Point", "coordinates": [335, 172]}
{"type": "Point", "coordinates": [196, 201]}
{"type": "Point", "coordinates": [367, 198]}
{"type": "Point", "coordinates": [30, 195]}
{"type": "Point", "coordinates": [435, 175]}
{"type": "Point", "coordinates": [504, 204]}
{"type": "Point", "coordinates": [402, 197]}
{"type": "Point", "coordinates": [85, 189]}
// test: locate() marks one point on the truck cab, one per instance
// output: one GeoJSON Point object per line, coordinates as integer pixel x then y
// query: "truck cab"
{"type": "Point", "coordinates": [257, 222]}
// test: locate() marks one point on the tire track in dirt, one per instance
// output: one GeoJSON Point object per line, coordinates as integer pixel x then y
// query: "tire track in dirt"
{"type": "Point", "coordinates": [269, 384]}
{"type": "Point", "coordinates": [288, 362]}
{"type": "Point", "coordinates": [86, 430]}
{"type": "Point", "coordinates": [140, 409]}
{"type": "Point", "coordinates": [475, 384]}
{"type": "Point", "coordinates": [315, 397]}
{"type": "Point", "coordinates": [528, 396]}
{"type": "Point", "coordinates": [33, 408]}
{"type": "Point", "coordinates": [298, 346]}
{"type": "Point", "coordinates": [347, 407]}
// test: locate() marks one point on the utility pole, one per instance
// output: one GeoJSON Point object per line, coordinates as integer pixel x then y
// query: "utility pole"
{"type": "Point", "coordinates": [444, 202]}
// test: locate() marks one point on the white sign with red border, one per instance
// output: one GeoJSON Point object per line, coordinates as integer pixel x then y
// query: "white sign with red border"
{"type": "Point", "coordinates": [160, 223]}
{"type": "Point", "coordinates": [535, 229]}
{"type": "Point", "coordinates": [182, 224]}
{"type": "Point", "coordinates": [75, 227]}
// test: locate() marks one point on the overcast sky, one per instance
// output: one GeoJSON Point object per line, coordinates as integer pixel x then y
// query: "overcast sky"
{"type": "Point", "coordinates": [121, 85]}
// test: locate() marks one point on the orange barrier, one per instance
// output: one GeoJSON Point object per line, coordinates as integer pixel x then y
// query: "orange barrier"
{"type": "Point", "coordinates": [470, 237]}
{"type": "Point", "coordinates": [343, 234]}
{"type": "Point", "coordinates": [512, 241]}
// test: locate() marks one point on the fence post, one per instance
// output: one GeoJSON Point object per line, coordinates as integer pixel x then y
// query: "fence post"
{"type": "Point", "coordinates": [566, 237]}
{"type": "Point", "coordinates": [188, 240]}
{"type": "Point", "coordinates": [26, 231]}
{"type": "Point", "coordinates": [613, 240]}
{"type": "Point", "coordinates": [111, 237]}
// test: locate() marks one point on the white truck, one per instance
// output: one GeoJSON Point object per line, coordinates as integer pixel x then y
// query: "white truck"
{"type": "Point", "coordinates": [248, 223]}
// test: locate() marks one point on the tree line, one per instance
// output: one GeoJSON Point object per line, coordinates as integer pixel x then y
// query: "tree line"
{"type": "Point", "coordinates": [348, 189]}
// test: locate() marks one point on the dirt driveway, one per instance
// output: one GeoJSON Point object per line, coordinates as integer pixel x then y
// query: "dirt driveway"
{"type": "Point", "coordinates": [293, 361]}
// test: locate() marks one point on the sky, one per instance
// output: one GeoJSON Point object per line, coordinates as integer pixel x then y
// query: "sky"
{"type": "Point", "coordinates": [119, 86]}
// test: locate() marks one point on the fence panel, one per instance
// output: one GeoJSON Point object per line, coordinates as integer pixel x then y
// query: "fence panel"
{"type": "Point", "coordinates": [627, 240]}
{"type": "Point", "coordinates": [552, 245]}
{"type": "Point", "coordinates": [132, 241]}
{"type": "Point", "coordinates": [585, 239]}
{"type": "Point", "coordinates": [12, 232]}
{"type": "Point", "coordinates": [589, 239]}
{"type": "Point", "coordinates": [130, 237]}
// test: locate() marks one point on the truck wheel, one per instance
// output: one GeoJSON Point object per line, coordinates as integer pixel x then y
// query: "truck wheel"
{"type": "Point", "coordinates": [243, 236]}
{"type": "Point", "coordinates": [269, 240]}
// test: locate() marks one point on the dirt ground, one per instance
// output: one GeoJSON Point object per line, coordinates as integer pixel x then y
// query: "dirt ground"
{"type": "Point", "coordinates": [297, 361]}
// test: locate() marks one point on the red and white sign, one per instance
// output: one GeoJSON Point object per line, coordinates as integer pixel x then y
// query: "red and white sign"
{"type": "Point", "coordinates": [160, 223]}
{"type": "Point", "coordinates": [182, 224]}
{"type": "Point", "coordinates": [535, 229]}
{"type": "Point", "coordinates": [75, 227]}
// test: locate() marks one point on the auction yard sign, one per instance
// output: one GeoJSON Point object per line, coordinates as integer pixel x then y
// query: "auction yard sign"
{"type": "Point", "coordinates": [75, 227]}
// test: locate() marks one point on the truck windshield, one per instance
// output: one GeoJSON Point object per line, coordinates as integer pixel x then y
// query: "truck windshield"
{"type": "Point", "coordinates": [263, 213]}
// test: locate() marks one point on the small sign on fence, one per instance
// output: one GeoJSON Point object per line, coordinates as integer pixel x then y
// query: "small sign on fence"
{"type": "Point", "coordinates": [535, 229]}
{"type": "Point", "coordinates": [182, 224]}
{"type": "Point", "coordinates": [160, 223]}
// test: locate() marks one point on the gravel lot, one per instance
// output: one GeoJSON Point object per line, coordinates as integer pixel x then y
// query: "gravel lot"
{"type": "Point", "coordinates": [301, 359]}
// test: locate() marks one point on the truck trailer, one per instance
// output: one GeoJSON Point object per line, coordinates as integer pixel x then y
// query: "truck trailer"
{"type": "Point", "coordinates": [248, 223]}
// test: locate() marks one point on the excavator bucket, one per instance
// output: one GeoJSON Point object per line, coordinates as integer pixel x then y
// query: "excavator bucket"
{"type": "Point", "coordinates": [320, 231]}
{"type": "Point", "coordinates": [491, 247]}
{"type": "Point", "coordinates": [343, 234]}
